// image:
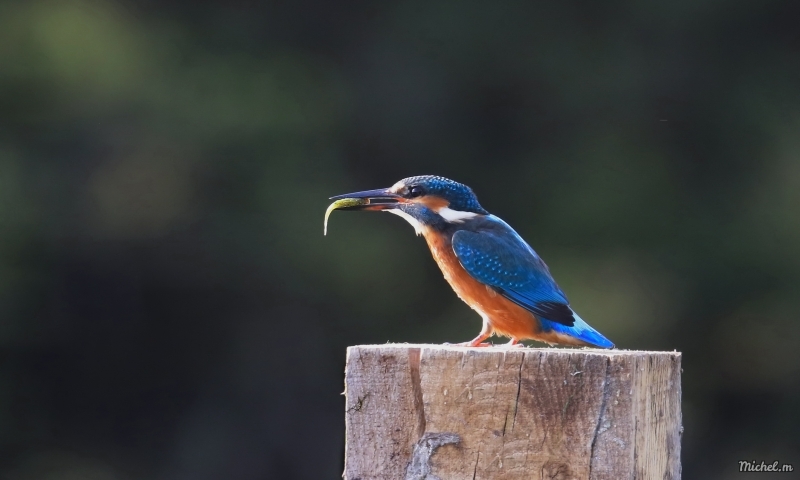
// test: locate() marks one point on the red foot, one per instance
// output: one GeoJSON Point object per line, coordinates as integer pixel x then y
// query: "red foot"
{"type": "Point", "coordinates": [473, 344]}
{"type": "Point", "coordinates": [478, 341]}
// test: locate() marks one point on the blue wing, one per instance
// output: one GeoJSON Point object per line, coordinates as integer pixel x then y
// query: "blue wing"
{"type": "Point", "coordinates": [514, 270]}
{"type": "Point", "coordinates": [498, 257]}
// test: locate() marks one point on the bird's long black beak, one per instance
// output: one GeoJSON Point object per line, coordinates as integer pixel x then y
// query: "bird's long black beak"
{"type": "Point", "coordinates": [380, 199]}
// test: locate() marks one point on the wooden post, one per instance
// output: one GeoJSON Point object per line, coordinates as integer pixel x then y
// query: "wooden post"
{"type": "Point", "coordinates": [427, 412]}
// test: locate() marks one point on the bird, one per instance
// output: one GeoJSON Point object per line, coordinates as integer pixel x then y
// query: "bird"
{"type": "Point", "coordinates": [486, 262]}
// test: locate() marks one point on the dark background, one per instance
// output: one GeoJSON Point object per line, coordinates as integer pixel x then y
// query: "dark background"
{"type": "Point", "coordinates": [169, 308]}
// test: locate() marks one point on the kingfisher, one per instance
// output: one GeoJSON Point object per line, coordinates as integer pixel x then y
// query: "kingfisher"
{"type": "Point", "coordinates": [488, 264]}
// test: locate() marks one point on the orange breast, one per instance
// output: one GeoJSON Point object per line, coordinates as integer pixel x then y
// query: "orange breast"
{"type": "Point", "coordinates": [506, 317]}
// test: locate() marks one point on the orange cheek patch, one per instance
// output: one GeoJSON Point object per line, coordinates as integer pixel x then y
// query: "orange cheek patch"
{"type": "Point", "coordinates": [434, 203]}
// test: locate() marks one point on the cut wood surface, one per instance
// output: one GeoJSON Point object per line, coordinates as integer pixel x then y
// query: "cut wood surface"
{"type": "Point", "coordinates": [432, 412]}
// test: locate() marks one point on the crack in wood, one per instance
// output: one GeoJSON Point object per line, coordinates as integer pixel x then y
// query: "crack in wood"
{"type": "Point", "coordinates": [359, 404]}
{"type": "Point", "coordinates": [566, 406]}
{"type": "Point", "coordinates": [416, 386]}
{"type": "Point", "coordinates": [519, 387]}
{"type": "Point", "coordinates": [603, 403]}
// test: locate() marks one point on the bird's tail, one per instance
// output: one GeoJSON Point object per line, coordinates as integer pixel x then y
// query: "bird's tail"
{"type": "Point", "coordinates": [581, 331]}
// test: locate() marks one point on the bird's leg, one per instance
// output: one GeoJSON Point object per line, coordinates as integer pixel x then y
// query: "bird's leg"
{"type": "Point", "coordinates": [478, 341]}
{"type": "Point", "coordinates": [514, 342]}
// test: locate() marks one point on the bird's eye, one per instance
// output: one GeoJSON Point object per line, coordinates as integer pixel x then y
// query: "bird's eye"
{"type": "Point", "coordinates": [414, 191]}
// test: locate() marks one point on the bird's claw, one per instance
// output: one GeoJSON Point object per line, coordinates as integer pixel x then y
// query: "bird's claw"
{"type": "Point", "coordinates": [470, 344]}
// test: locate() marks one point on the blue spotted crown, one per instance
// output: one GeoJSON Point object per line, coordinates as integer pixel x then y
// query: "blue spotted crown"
{"type": "Point", "coordinates": [460, 196]}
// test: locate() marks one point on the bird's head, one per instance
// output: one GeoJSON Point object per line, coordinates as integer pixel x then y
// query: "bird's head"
{"type": "Point", "coordinates": [426, 201]}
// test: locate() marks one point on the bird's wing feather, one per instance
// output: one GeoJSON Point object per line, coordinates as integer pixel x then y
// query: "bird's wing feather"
{"type": "Point", "coordinates": [506, 263]}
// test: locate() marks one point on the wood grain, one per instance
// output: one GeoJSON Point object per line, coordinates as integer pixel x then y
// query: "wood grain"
{"type": "Point", "coordinates": [446, 412]}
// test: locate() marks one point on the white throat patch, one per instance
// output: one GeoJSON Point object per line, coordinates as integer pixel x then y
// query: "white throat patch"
{"type": "Point", "coordinates": [455, 216]}
{"type": "Point", "coordinates": [413, 221]}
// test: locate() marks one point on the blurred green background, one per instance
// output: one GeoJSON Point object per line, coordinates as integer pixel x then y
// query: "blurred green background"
{"type": "Point", "coordinates": [169, 308]}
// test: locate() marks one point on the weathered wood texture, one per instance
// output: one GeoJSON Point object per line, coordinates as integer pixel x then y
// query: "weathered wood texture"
{"type": "Point", "coordinates": [450, 413]}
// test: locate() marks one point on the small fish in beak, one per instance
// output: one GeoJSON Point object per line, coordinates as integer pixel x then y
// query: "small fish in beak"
{"type": "Point", "coordinates": [342, 203]}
